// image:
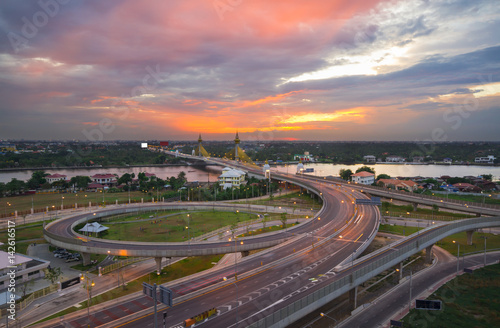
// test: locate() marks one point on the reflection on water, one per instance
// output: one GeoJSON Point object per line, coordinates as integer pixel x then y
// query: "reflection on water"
{"type": "Point", "coordinates": [396, 170]}
{"type": "Point", "coordinates": [193, 173]}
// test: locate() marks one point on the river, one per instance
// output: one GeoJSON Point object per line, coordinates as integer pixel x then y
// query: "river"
{"type": "Point", "coordinates": [193, 173]}
{"type": "Point", "coordinates": [402, 170]}
{"type": "Point", "coordinates": [212, 172]}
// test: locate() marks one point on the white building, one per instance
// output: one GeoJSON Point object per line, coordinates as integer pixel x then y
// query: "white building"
{"type": "Point", "coordinates": [394, 159]}
{"type": "Point", "coordinates": [363, 177]}
{"type": "Point", "coordinates": [370, 159]}
{"type": "Point", "coordinates": [26, 268]}
{"type": "Point", "coordinates": [300, 168]}
{"type": "Point", "coordinates": [306, 157]}
{"type": "Point", "coordinates": [55, 177]}
{"type": "Point", "coordinates": [231, 178]}
{"type": "Point", "coordinates": [490, 159]}
{"type": "Point", "coordinates": [267, 171]}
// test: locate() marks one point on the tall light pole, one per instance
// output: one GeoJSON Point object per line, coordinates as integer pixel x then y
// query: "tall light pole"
{"type": "Point", "coordinates": [225, 279]}
{"type": "Point", "coordinates": [458, 255]}
{"type": "Point", "coordinates": [324, 315]}
{"type": "Point", "coordinates": [485, 249]}
{"type": "Point", "coordinates": [62, 203]}
{"type": "Point", "coordinates": [88, 285]}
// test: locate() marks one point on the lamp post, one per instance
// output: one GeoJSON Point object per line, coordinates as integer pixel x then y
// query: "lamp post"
{"type": "Point", "coordinates": [458, 255]}
{"type": "Point", "coordinates": [88, 285]}
{"type": "Point", "coordinates": [485, 249]}
{"type": "Point", "coordinates": [225, 279]}
{"type": "Point", "coordinates": [62, 203]}
{"type": "Point", "coordinates": [324, 315]}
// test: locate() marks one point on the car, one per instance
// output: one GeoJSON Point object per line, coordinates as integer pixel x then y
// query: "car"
{"type": "Point", "coordinates": [72, 259]}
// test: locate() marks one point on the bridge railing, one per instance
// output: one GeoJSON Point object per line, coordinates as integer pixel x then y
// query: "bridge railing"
{"type": "Point", "coordinates": [434, 198]}
{"type": "Point", "coordinates": [324, 295]}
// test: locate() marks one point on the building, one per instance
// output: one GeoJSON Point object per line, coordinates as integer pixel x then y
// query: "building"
{"type": "Point", "coordinates": [55, 177]}
{"type": "Point", "coordinates": [447, 160]}
{"type": "Point", "coordinates": [25, 267]}
{"type": "Point", "coordinates": [104, 179]}
{"type": "Point", "coordinates": [466, 187]}
{"type": "Point", "coordinates": [398, 184]}
{"type": "Point", "coordinates": [306, 157]}
{"type": "Point", "coordinates": [418, 159]}
{"type": "Point", "coordinates": [394, 159]}
{"type": "Point", "coordinates": [490, 159]}
{"type": "Point", "coordinates": [363, 177]}
{"type": "Point", "coordinates": [231, 178]}
{"type": "Point", "coordinates": [370, 159]}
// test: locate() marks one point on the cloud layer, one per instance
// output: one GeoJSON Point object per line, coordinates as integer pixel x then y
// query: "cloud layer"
{"type": "Point", "coordinates": [327, 70]}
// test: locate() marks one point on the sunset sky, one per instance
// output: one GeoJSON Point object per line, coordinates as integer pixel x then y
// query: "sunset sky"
{"type": "Point", "coordinates": [272, 70]}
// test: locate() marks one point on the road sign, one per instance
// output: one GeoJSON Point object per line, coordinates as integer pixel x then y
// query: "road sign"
{"type": "Point", "coordinates": [147, 289]}
{"type": "Point", "coordinates": [165, 296]}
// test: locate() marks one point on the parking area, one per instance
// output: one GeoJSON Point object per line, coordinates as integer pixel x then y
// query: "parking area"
{"type": "Point", "coordinates": [42, 251]}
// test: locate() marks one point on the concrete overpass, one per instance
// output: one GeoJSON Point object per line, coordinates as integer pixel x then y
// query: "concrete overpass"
{"type": "Point", "coordinates": [347, 277]}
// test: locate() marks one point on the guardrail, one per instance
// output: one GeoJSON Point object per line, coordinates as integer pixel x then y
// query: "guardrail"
{"type": "Point", "coordinates": [415, 243]}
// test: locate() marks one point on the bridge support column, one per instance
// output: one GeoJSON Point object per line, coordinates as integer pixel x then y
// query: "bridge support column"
{"type": "Point", "coordinates": [469, 236]}
{"type": "Point", "coordinates": [353, 297]}
{"type": "Point", "coordinates": [415, 206]}
{"type": "Point", "coordinates": [428, 254]}
{"type": "Point", "coordinates": [245, 253]}
{"type": "Point", "coordinates": [158, 265]}
{"type": "Point", "coordinates": [86, 258]}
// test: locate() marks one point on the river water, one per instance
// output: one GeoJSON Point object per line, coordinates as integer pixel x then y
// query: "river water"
{"type": "Point", "coordinates": [211, 172]}
{"type": "Point", "coordinates": [402, 170]}
{"type": "Point", "coordinates": [193, 173]}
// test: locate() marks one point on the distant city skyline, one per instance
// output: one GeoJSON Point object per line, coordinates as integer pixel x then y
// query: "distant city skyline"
{"type": "Point", "coordinates": [337, 70]}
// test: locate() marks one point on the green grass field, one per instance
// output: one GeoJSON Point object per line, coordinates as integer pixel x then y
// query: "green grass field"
{"type": "Point", "coordinates": [175, 228]}
{"type": "Point", "coordinates": [492, 241]}
{"type": "Point", "coordinates": [470, 300]}
{"type": "Point", "coordinates": [54, 200]}
{"type": "Point", "coordinates": [487, 199]}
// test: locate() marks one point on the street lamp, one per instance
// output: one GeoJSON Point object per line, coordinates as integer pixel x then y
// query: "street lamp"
{"type": "Point", "coordinates": [88, 285]}
{"type": "Point", "coordinates": [324, 315]}
{"type": "Point", "coordinates": [458, 255]}
{"type": "Point", "coordinates": [225, 279]}
{"type": "Point", "coordinates": [62, 203]}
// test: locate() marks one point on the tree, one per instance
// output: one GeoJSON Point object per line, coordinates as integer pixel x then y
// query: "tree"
{"type": "Point", "coordinates": [366, 169]}
{"type": "Point", "coordinates": [345, 174]}
{"type": "Point", "coordinates": [283, 219]}
{"type": "Point", "coordinates": [80, 181]}
{"type": "Point", "coordinates": [37, 179]}
{"type": "Point", "coordinates": [383, 176]}
{"type": "Point", "coordinates": [126, 178]}
{"type": "Point", "coordinates": [15, 186]}
{"type": "Point", "coordinates": [487, 177]}
{"type": "Point", "coordinates": [52, 274]}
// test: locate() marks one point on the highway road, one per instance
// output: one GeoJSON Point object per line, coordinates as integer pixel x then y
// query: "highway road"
{"type": "Point", "coordinates": [293, 266]}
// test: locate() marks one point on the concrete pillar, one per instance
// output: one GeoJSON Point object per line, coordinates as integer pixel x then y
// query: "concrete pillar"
{"type": "Point", "coordinates": [353, 297]}
{"type": "Point", "coordinates": [469, 236]}
{"type": "Point", "coordinates": [15, 213]}
{"type": "Point", "coordinates": [245, 253]}
{"type": "Point", "coordinates": [158, 264]}
{"type": "Point", "coordinates": [76, 206]}
{"type": "Point", "coordinates": [86, 258]}
{"type": "Point", "coordinates": [142, 200]}
{"type": "Point", "coordinates": [116, 202]}
{"type": "Point", "coordinates": [90, 205]}
{"type": "Point", "coordinates": [32, 211]}
{"type": "Point", "coordinates": [428, 254]}
{"type": "Point", "coordinates": [152, 200]}
{"type": "Point", "coordinates": [415, 206]}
